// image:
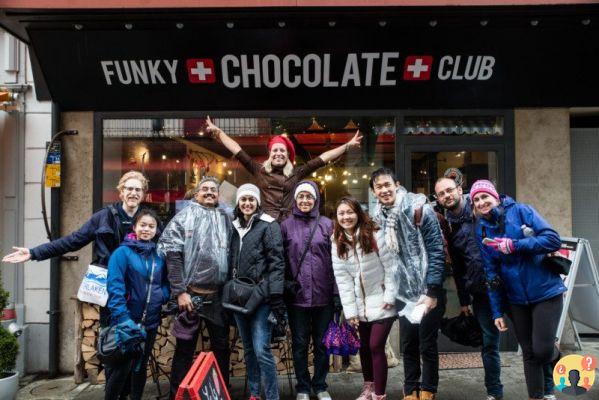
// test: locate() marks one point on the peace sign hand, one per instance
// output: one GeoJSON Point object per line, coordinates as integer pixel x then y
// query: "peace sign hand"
{"type": "Point", "coordinates": [355, 141]}
{"type": "Point", "coordinates": [212, 129]}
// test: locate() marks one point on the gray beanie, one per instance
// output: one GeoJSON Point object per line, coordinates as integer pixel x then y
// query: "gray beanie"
{"type": "Point", "coordinates": [247, 189]}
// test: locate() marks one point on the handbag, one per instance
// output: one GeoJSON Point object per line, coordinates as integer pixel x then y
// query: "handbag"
{"type": "Point", "coordinates": [557, 263]}
{"type": "Point", "coordinates": [110, 348]}
{"type": "Point", "coordinates": [93, 286]}
{"type": "Point", "coordinates": [291, 287]}
{"type": "Point", "coordinates": [341, 339]}
{"type": "Point", "coordinates": [463, 329]}
{"type": "Point", "coordinates": [240, 294]}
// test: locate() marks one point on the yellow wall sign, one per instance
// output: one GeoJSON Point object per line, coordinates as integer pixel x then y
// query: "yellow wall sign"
{"type": "Point", "coordinates": [53, 166]}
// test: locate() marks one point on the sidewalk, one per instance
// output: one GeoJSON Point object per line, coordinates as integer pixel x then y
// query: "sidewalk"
{"type": "Point", "coordinates": [462, 384]}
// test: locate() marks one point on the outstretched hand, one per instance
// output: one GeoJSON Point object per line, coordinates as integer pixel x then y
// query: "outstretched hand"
{"type": "Point", "coordinates": [355, 141]}
{"type": "Point", "coordinates": [21, 254]}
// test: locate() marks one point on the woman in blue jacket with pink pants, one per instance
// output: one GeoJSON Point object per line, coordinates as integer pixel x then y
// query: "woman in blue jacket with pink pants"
{"type": "Point", "coordinates": [514, 239]}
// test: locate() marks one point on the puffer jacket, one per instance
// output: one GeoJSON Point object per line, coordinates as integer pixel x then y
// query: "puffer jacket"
{"type": "Point", "coordinates": [317, 283]}
{"type": "Point", "coordinates": [467, 263]}
{"type": "Point", "coordinates": [521, 276]}
{"type": "Point", "coordinates": [257, 253]}
{"type": "Point", "coordinates": [129, 282]}
{"type": "Point", "coordinates": [366, 281]}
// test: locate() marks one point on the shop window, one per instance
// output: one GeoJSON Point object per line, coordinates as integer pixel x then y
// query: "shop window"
{"type": "Point", "coordinates": [175, 153]}
{"type": "Point", "coordinates": [428, 167]}
{"type": "Point", "coordinates": [456, 126]}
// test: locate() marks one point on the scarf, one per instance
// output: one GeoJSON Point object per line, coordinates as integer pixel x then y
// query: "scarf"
{"type": "Point", "coordinates": [387, 217]}
{"type": "Point", "coordinates": [142, 247]}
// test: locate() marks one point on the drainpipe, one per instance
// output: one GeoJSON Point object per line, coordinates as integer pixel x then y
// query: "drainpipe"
{"type": "Point", "coordinates": [54, 310]}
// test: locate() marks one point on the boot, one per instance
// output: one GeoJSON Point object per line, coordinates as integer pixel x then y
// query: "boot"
{"type": "Point", "coordinates": [424, 395]}
{"type": "Point", "coordinates": [367, 391]}
{"type": "Point", "coordinates": [377, 397]}
{"type": "Point", "coordinates": [413, 396]}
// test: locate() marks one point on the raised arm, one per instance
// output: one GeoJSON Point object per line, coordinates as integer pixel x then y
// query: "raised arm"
{"type": "Point", "coordinates": [225, 139]}
{"type": "Point", "coordinates": [338, 151]}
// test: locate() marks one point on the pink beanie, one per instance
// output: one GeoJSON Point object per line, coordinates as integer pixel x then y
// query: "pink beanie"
{"type": "Point", "coordinates": [485, 186]}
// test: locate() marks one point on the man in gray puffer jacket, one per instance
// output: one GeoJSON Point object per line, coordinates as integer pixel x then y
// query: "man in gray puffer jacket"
{"type": "Point", "coordinates": [413, 233]}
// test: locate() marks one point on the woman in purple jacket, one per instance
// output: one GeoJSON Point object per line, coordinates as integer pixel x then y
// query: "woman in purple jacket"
{"type": "Point", "coordinates": [312, 308]}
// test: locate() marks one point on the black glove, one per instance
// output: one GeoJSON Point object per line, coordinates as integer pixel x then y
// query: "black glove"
{"type": "Point", "coordinates": [277, 306]}
{"type": "Point", "coordinates": [337, 306]}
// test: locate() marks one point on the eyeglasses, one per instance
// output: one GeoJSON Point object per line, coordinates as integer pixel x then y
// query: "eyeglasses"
{"type": "Point", "coordinates": [305, 197]}
{"type": "Point", "coordinates": [447, 191]}
{"type": "Point", "coordinates": [133, 189]}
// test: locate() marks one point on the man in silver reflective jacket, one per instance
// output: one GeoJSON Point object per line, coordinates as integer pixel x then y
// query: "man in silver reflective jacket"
{"type": "Point", "coordinates": [420, 300]}
{"type": "Point", "coordinates": [195, 244]}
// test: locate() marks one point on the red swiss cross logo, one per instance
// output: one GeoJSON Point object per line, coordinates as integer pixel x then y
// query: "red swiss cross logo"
{"type": "Point", "coordinates": [418, 68]}
{"type": "Point", "coordinates": [201, 70]}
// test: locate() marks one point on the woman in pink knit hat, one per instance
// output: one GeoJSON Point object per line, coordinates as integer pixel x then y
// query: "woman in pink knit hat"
{"type": "Point", "coordinates": [514, 241]}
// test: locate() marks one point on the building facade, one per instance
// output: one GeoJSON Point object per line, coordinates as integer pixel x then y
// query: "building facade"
{"type": "Point", "coordinates": [490, 90]}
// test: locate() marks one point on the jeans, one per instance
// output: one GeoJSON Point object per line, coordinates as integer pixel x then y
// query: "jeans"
{"type": "Point", "coordinates": [255, 331]}
{"type": "Point", "coordinates": [535, 326]}
{"type": "Point", "coordinates": [419, 342]}
{"type": "Point", "coordinates": [129, 377]}
{"type": "Point", "coordinates": [490, 349]}
{"type": "Point", "coordinates": [185, 351]}
{"type": "Point", "coordinates": [306, 323]}
{"type": "Point", "coordinates": [373, 337]}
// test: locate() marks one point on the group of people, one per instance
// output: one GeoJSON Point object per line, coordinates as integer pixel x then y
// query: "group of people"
{"type": "Point", "coordinates": [304, 267]}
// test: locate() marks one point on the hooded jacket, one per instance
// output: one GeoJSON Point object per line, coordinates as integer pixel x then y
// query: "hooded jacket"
{"type": "Point", "coordinates": [257, 253]}
{"type": "Point", "coordinates": [366, 281]}
{"type": "Point", "coordinates": [316, 279]}
{"type": "Point", "coordinates": [129, 279]}
{"type": "Point", "coordinates": [467, 263]}
{"type": "Point", "coordinates": [522, 277]}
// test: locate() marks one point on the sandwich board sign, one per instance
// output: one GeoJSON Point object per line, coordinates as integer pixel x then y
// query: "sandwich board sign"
{"type": "Point", "coordinates": [581, 300]}
{"type": "Point", "coordinates": [203, 381]}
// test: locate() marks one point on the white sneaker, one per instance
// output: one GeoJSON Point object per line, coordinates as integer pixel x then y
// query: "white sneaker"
{"type": "Point", "coordinates": [549, 397]}
{"type": "Point", "coordinates": [302, 396]}
{"type": "Point", "coordinates": [491, 397]}
{"type": "Point", "coordinates": [324, 396]}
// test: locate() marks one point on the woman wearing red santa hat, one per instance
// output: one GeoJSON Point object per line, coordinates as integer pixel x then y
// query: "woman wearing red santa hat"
{"type": "Point", "coordinates": [277, 177]}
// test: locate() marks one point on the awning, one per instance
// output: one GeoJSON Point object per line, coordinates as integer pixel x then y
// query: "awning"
{"type": "Point", "coordinates": [302, 57]}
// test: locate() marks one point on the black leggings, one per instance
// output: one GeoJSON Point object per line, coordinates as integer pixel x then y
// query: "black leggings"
{"type": "Point", "coordinates": [129, 377]}
{"type": "Point", "coordinates": [535, 326]}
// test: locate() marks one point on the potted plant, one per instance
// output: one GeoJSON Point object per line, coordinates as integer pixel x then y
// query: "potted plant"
{"type": "Point", "coordinates": [9, 347]}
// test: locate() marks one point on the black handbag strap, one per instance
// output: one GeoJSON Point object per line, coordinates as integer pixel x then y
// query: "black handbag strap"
{"type": "Point", "coordinates": [301, 260]}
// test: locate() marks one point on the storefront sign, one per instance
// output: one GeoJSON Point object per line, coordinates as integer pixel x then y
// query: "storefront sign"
{"type": "Point", "coordinates": [52, 173]}
{"type": "Point", "coordinates": [254, 69]}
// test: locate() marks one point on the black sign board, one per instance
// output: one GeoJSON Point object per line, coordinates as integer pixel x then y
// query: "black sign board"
{"type": "Point", "coordinates": [318, 68]}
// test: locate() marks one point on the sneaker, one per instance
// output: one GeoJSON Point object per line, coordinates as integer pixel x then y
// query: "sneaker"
{"type": "Point", "coordinates": [302, 396]}
{"type": "Point", "coordinates": [491, 397]}
{"type": "Point", "coordinates": [549, 397]}
{"type": "Point", "coordinates": [323, 395]}
{"type": "Point", "coordinates": [367, 391]}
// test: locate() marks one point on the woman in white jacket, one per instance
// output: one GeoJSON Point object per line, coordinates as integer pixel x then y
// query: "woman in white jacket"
{"type": "Point", "coordinates": [364, 272]}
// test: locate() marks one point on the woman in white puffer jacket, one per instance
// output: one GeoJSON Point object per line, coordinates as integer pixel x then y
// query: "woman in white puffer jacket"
{"type": "Point", "coordinates": [364, 272]}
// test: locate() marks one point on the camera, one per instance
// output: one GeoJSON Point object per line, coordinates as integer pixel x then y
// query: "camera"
{"type": "Point", "coordinates": [172, 307]}
{"type": "Point", "coordinates": [15, 329]}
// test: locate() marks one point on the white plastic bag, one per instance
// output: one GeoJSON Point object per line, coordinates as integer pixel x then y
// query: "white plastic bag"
{"type": "Point", "coordinates": [93, 287]}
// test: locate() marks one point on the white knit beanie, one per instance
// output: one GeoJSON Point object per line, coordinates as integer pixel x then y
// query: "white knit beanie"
{"type": "Point", "coordinates": [247, 189]}
{"type": "Point", "coordinates": [304, 187]}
